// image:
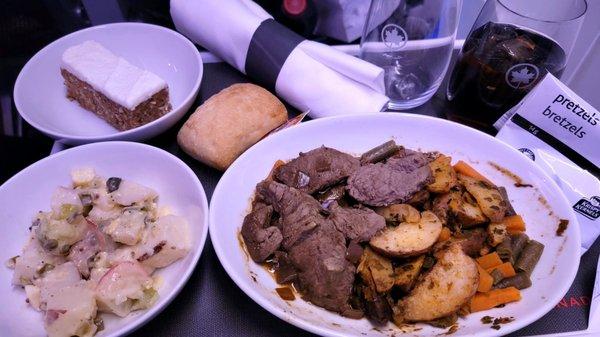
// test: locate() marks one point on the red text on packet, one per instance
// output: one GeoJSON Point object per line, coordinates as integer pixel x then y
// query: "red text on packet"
{"type": "Point", "coordinates": [573, 301]}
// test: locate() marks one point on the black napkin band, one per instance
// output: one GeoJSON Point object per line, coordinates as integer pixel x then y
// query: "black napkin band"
{"type": "Point", "coordinates": [270, 47]}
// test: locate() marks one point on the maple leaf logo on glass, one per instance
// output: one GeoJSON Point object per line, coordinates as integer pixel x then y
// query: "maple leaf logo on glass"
{"type": "Point", "coordinates": [522, 75]}
{"type": "Point", "coordinates": [393, 36]}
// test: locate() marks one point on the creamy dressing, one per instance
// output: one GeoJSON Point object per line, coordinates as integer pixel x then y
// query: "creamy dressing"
{"type": "Point", "coordinates": [95, 252]}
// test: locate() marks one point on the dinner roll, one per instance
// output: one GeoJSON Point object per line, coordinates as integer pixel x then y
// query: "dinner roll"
{"type": "Point", "coordinates": [230, 122]}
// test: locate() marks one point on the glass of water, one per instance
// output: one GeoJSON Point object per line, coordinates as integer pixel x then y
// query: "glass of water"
{"type": "Point", "coordinates": [412, 40]}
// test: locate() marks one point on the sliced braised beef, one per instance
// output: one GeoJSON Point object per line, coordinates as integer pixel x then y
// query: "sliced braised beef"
{"type": "Point", "coordinates": [420, 198]}
{"type": "Point", "coordinates": [299, 213]}
{"type": "Point", "coordinates": [285, 271]}
{"type": "Point", "coordinates": [317, 169]}
{"type": "Point", "coordinates": [394, 181]}
{"type": "Point", "coordinates": [358, 224]}
{"type": "Point", "coordinates": [261, 239]}
{"type": "Point", "coordinates": [354, 252]}
{"type": "Point", "coordinates": [316, 249]}
{"type": "Point", "coordinates": [410, 160]}
{"type": "Point", "coordinates": [473, 241]}
{"type": "Point", "coordinates": [325, 277]}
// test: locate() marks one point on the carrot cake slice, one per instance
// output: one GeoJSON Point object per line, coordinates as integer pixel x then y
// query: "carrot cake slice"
{"type": "Point", "coordinates": [122, 94]}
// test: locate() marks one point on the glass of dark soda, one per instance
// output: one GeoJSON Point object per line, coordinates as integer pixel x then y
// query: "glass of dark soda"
{"type": "Point", "coordinates": [510, 48]}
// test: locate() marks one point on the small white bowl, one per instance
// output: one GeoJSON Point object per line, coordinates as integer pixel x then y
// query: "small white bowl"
{"type": "Point", "coordinates": [30, 191]}
{"type": "Point", "coordinates": [40, 94]}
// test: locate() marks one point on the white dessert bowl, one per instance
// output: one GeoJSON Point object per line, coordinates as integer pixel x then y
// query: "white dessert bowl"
{"type": "Point", "coordinates": [40, 94]}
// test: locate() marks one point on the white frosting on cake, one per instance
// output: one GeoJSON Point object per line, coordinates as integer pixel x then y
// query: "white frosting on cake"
{"type": "Point", "coordinates": [113, 76]}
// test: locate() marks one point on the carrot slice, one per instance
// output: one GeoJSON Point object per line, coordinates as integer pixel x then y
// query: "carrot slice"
{"type": "Point", "coordinates": [506, 269]}
{"type": "Point", "coordinates": [486, 281]}
{"type": "Point", "coordinates": [493, 298]}
{"type": "Point", "coordinates": [444, 235]}
{"type": "Point", "coordinates": [490, 260]}
{"type": "Point", "coordinates": [468, 170]}
{"type": "Point", "coordinates": [514, 223]}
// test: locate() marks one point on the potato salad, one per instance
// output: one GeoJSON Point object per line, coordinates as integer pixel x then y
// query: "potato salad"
{"type": "Point", "coordinates": [95, 251]}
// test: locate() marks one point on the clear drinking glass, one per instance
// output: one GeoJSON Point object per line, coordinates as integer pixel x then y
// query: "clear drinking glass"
{"type": "Point", "coordinates": [510, 48]}
{"type": "Point", "coordinates": [412, 41]}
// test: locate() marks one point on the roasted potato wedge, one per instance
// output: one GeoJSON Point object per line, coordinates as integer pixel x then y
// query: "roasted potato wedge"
{"type": "Point", "coordinates": [376, 305]}
{"type": "Point", "coordinates": [440, 206]}
{"type": "Point", "coordinates": [458, 207]}
{"type": "Point", "coordinates": [407, 273]}
{"type": "Point", "coordinates": [408, 239]}
{"type": "Point", "coordinates": [451, 282]}
{"type": "Point", "coordinates": [444, 176]}
{"type": "Point", "coordinates": [496, 233]}
{"type": "Point", "coordinates": [376, 271]}
{"type": "Point", "coordinates": [397, 213]}
{"type": "Point", "coordinates": [488, 197]}
{"type": "Point", "coordinates": [465, 209]}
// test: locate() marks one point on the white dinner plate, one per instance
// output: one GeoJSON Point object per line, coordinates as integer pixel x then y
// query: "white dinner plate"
{"type": "Point", "coordinates": [30, 190]}
{"type": "Point", "coordinates": [355, 134]}
{"type": "Point", "coordinates": [40, 95]}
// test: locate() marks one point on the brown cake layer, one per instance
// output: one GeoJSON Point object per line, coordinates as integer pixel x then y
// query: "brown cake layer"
{"type": "Point", "coordinates": [115, 114]}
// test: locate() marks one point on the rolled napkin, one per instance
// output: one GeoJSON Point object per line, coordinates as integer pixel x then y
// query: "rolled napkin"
{"type": "Point", "coordinates": [308, 75]}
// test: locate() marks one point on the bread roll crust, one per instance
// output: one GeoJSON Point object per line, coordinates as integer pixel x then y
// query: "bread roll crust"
{"type": "Point", "coordinates": [229, 122]}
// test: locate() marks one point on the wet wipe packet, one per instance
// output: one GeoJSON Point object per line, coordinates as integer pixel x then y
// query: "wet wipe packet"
{"type": "Point", "coordinates": [561, 132]}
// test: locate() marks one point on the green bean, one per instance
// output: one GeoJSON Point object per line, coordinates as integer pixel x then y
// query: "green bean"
{"type": "Point", "coordinates": [510, 248]}
{"type": "Point", "coordinates": [504, 249]}
{"type": "Point", "coordinates": [497, 276]}
{"type": "Point", "coordinates": [519, 241]}
{"type": "Point", "coordinates": [529, 257]}
{"type": "Point", "coordinates": [519, 281]}
{"type": "Point", "coordinates": [509, 208]}
{"type": "Point", "coordinates": [380, 152]}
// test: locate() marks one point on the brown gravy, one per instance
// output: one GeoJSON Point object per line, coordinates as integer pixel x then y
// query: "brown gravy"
{"type": "Point", "coordinates": [286, 293]}
{"type": "Point", "coordinates": [518, 181]}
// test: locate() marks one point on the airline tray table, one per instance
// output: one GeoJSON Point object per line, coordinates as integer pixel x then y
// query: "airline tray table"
{"type": "Point", "coordinates": [212, 305]}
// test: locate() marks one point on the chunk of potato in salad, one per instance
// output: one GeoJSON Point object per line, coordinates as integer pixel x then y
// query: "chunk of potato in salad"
{"type": "Point", "coordinates": [95, 252]}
